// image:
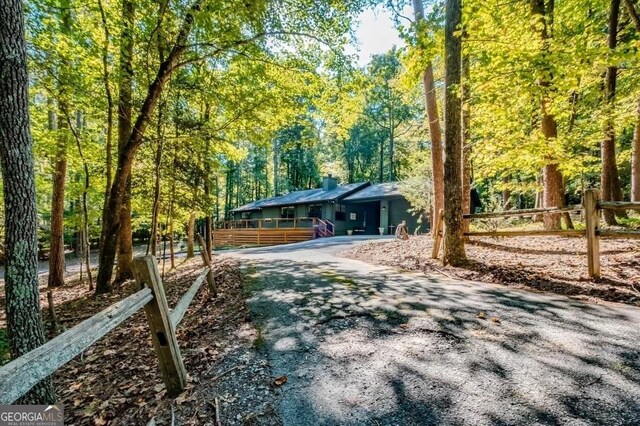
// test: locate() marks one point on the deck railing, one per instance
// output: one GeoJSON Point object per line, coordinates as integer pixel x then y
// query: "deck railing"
{"type": "Point", "coordinates": [261, 232]}
{"type": "Point", "coordinates": [267, 223]}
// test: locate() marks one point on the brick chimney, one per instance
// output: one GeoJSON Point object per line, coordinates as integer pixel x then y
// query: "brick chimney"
{"type": "Point", "coordinates": [329, 183]}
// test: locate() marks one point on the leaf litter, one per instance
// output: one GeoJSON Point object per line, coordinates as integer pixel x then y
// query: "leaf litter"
{"type": "Point", "coordinates": [117, 380]}
{"type": "Point", "coordinates": [549, 264]}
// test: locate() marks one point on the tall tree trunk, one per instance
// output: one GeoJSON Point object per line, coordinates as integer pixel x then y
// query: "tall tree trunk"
{"type": "Point", "coordinates": [381, 165]}
{"type": "Point", "coordinates": [111, 222]}
{"type": "Point", "coordinates": [156, 190]}
{"type": "Point", "coordinates": [85, 239]}
{"type": "Point", "coordinates": [454, 253]}
{"type": "Point", "coordinates": [466, 140]}
{"type": "Point", "coordinates": [553, 191]}
{"type": "Point", "coordinates": [172, 199]}
{"type": "Point", "coordinates": [217, 206]}
{"type": "Point", "coordinates": [635, 147]}
{"type": "Point", "coordinates": [610, 179]}
{"type": "Point", "coordinates": [431, 103]}
{"type": "Point", "coordinates": [392, 127]}
{"type": "Point", "coordinates": [191, 227]}
{"type": "Point", "coordinates": [56, 233]}
{"type": "Point", "coordinates": [107, 89]}
{"type": "Point", "coordinates": [125, 238]}
{"type": "Point", "coordinates": [635, 160]}
{"type": "Point", "coordinates": [22, 302]}
{"type": "Point", "coordinates": [276, 156]}
{"type": "Point", "coordinates": [507, 203]}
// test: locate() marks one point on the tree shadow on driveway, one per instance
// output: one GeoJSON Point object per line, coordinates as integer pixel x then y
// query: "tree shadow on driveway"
{"type": "Point", "coordinates": [370, 345]}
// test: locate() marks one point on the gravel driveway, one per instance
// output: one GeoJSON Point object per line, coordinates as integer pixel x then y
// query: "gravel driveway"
{"type": "Point", "coordinates": [371, 345]}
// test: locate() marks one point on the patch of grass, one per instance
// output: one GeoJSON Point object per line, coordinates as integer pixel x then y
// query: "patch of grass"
{"type": "Point", "coordinates": [631, 222]}
{"type": "Point", "coordinates": [389, 316]}
{"type": "Point", "coordinates": [340, 279]}
{"type": "Point", "coordinates": [252, 281]}
{"type": "Point", "coordinates": [259, 342]}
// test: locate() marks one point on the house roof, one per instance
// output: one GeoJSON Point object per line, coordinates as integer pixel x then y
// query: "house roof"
{"type": "Point", "coordinates": [376, 191]}
{"type": "Point", "coordinates": [303, 197]}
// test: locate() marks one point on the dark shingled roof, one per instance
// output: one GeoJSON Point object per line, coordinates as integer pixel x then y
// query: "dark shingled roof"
{"type": "Point", "coordinates": [376, 191]}
{"type": "Point", "coordinates": [303, 197]}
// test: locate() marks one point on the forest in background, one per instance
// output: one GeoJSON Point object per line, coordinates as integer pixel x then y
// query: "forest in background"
{"type": "Point", "coordinates": [172, 114]}
{"type": "Point", "coordinates": [150, 118]}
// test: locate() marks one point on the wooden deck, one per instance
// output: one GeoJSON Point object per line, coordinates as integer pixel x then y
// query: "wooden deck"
{"type": "Point", "coordinates": [260, 237]}
{"type": "Point", "coordinates": [268, 232]}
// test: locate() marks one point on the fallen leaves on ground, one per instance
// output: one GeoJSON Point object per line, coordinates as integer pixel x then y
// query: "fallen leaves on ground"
{"type": "Point", "coordinates": [117, 380]}
{"type": "Point", "coordinates": [549, 264]}
{"type": "Point", "coordinates": [279, 381]}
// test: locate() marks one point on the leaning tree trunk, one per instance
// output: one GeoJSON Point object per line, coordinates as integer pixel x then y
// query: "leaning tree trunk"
{"type": "Point", "coordinates": [125, 242]}
{"type": "Point", "coordinates": [111, 222]}
{"type": "Point", "coordinates": [431, 103]}
{"type": "Point", "coordinates": [22, 303]}
{"type": "Point", "coordinates": [611, 189]}
{"type": "Point", "coordinates": [454, 253]}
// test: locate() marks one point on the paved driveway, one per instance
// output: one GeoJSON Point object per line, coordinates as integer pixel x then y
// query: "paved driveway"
{"type": "Point", "coordinates": [371, 345]}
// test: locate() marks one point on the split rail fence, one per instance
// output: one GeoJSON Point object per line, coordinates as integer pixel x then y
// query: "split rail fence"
{"type": "Point", "coordinates": [591, 209]}
{"type": "Point", "coordinates": [20, 375]}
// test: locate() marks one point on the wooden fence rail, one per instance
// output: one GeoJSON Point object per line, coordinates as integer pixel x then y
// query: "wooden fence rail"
{"type": "Point", "coordinates": [20, 375]}
{"type": "Point", "coordinates": [591, 209]}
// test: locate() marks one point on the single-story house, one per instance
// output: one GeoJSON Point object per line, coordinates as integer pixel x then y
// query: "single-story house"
{"type": "Point", "coordinates": [359, 207]}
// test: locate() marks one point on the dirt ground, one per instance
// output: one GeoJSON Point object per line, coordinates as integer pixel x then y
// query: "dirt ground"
{"type": "Point", "coordinates": [117, 381]}
{"type": "Point", "coordinates": [549, 264]}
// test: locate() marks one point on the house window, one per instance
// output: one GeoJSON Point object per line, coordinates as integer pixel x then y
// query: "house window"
{"type": "Point", "coordinates": [288, 212]}
{"type": "Point", "coordinates": [315, 210]}
{"type": "Point", "coordinates": [246, 215]}
{"type": "Point", "coordinates": [341, 212]}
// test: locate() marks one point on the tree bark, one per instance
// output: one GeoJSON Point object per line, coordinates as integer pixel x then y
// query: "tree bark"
{"type": "Point", "coordinates": [107, 89]}
{"type": "Point", "coordinates": [454, 253]}
{"type": "Point", "coordinates": [85, 238]}
{"type": "Point", "coordinates": [156, 191]}
{"type": "Point", "coordinates": [22, 303]}
{"type": "Point", "coordinates": [635, 147]}
{"type": "Point", "coordinates": [207, 220]}
{"type": "Point", "coordinates": [553, 191]}
{"type": "Point", "coordinates": [635, 160]}
{"type": "Point", "coordinates": [191, 227]}
{"type": "Point", "coordinates": [507, 203]}
{"type": "Point", "coordinates": [125, 241]}
{"type": "Point", "coordinates": [466, 140]}
{"type": "Point", "coordinates": [56, 231]}
{"type": "Point", "coordinates": [381, 162]}
{"type": "Point", "coordinates": [111, 224]}
{"type": "Point", "coordinates": [431, 103]}
{"type": "Point", "coordinates": [611, 189]}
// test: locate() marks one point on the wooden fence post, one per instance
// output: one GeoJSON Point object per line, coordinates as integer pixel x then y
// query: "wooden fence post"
{"type": "Point", "coordinates": [592, 219]}
{"type": "Point", "coordinates": [211, 282]}
{"type": "Point", "coordinates": [437, 234]}
{"type": "Point", "coordinates": [163, 334]}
